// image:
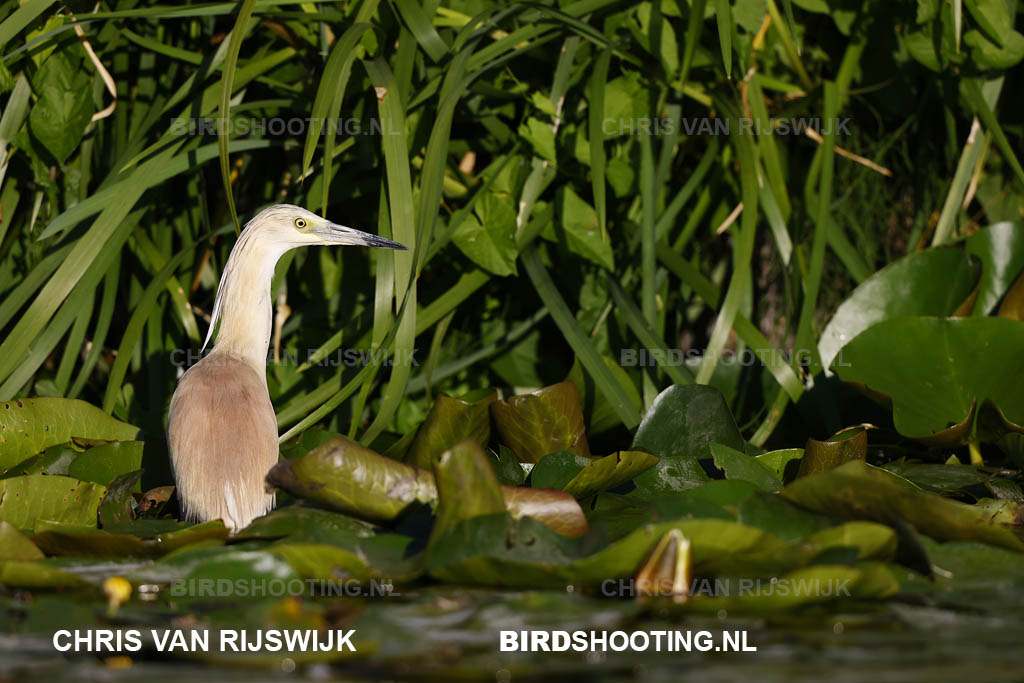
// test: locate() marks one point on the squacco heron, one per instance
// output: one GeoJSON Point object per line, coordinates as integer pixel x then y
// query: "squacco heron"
{"type": "Point", "coordinates": [221, 428]}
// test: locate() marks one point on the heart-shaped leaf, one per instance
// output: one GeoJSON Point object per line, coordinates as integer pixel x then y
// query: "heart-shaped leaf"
{"type": "Point", "coordinates": [937, 369]}
{"type": "Point", "coordinates": [933, 282]}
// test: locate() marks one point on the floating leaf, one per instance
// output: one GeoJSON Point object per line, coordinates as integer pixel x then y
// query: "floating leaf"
{"type": "Point", "coordinates": [14, 546]}
{"type": "Point", "coordinates": [609, 472]}
{"type": "Point", "coordinates": [872, 541]}
{"type": "Point", "coordinates": [933, 282]}
{"type": "Point", "coordinates": [557, 510]}
{"type": "Point", "coordinates": [116, 506]}
{"type": "Point", "coordinates": [466, 487]}
{"type": "Point", "coordinates": [351, 479]}
{"type": "Point", "coordinates": [324, 562]}
{"type": "Point", "coordinates": [937, 369]}
{"type": "Point", "coordinates": [679, 428]}
{"type": "Point", "coordinates": [305, 523]}
{"type": "Point", "coordinates": [555, 470]}
{"type": "Point", "coordinates": [60, 539]}
{"type": "Point", "coordinates": [29, 425]}
{"type": "Point", "coordinates": [807, 585]}
{"type": "Point", "coordinates": [24, 501]}
{"type": "Point", "coordinates": [1001, 250]}
{"type": "Point", "coordinates": [737, 465]}
{"type": "Point", "coordinates": [545, 421]}
{"type": "Point", "coordinates": [857, 490]}
{"type": "Point", "coordinates": [779, 461]}
{"type": "Point", "coordinates": [354, 480]}
{"type": "Point", "coordinates": [21, 574]}
{"type": "Point", "coordinates": [493, 550]}
{"type": "Point", "coordinates": [449, 421]}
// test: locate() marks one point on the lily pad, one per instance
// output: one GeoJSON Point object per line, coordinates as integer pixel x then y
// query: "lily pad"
{"type": "Point", "coordinates": [466, 487]}
{"type": "Point", "coordinates": [737, 465]}
{"type": "Point", "coordinates": [449, 421]}
{"type": "Point", "coordinates": [494, 550]}
{"type": "Point", "coordinates": [679, 428]}
{"type": "Point", "coordinates": [26, 574]}
{"type": "Point", "coordinates": [778, 461]}
{"type": "Point", "coordinates": [57, 539]}
{"type": "Point", "coordinates": [305, 523]}
{"type": "Point", "coordinates": [116, 506]}
{"type": "Point", "coordinates": [609, 472]}
{"type": "Point", "coordinates": [546, 421]}
{"type": "Point", "coordinates": [30, 425]}
{"type": "Point", "coordinates": [24, 501]}
{"type": "Point", "coordinates": [15, 546]}
{"type": "Point", "coordinates": [1001, 249]}
{"type": "Point", "coordinates": [555, 470]}
{"type": "Point", "coordinates": [354, 480]}
{"type": "Point", "coordinates": [933, 282]}
{"type": "Point", "coordinates": [807, 585]}
{"type": "Point", "coordinates": [937, 369]}
{"type": "Point", "coordinates": [857, 490]}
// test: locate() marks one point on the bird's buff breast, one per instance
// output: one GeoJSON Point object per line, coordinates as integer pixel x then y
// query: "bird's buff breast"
{"type": "Point", "coordinates": [222, 435]}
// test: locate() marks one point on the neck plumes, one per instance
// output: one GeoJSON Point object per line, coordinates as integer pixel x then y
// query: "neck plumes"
{"type": "Point", "coordinates": [243, 305]}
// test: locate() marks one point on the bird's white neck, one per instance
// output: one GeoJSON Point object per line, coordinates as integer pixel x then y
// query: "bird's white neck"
{"type": "Point", "coordinates": [243, 304]}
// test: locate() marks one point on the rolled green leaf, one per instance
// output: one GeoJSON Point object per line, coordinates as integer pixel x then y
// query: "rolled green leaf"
{"type": "Point", "coordinates": [346, 477]}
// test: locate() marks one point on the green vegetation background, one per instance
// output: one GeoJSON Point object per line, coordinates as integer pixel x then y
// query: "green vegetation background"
{"type": "Point", "coordinates": [557, 170]}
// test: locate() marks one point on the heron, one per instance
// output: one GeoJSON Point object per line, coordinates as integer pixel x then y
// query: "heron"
{"type": "Point", "coordinates": [221, 427]}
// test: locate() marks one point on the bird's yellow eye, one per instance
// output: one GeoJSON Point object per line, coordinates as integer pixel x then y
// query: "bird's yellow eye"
{"type": "Point", "coordinates": [300, 223]}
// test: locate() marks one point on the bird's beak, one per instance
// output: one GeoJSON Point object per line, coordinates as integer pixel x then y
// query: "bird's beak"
{"type": "Point", "coordinates": [339, 234]}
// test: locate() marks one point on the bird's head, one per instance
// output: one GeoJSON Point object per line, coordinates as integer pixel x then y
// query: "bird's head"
{"type": "Point", "coordinates": [292, 226]}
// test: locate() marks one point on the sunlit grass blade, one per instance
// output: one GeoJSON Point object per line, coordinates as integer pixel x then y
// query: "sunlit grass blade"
{"type": "Point", "coordinates": [20, 19]}
{"type": "Point", "coordinates": [976, 141]}
{"type": "Point", "coordinates": [403, 229]}
{"type": "Point", "coordinates": [133, 331]}
{"type": "Point", "coordinates": [419, 25]}
{"type": "Point", "coordinates": [230, 62]}
{"type": "Point", "coordinates": [79, 260]}
{"type": "Point", "coordinates": [788, 45]}
{"type": "Point", "coordinates": [331, 92]}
